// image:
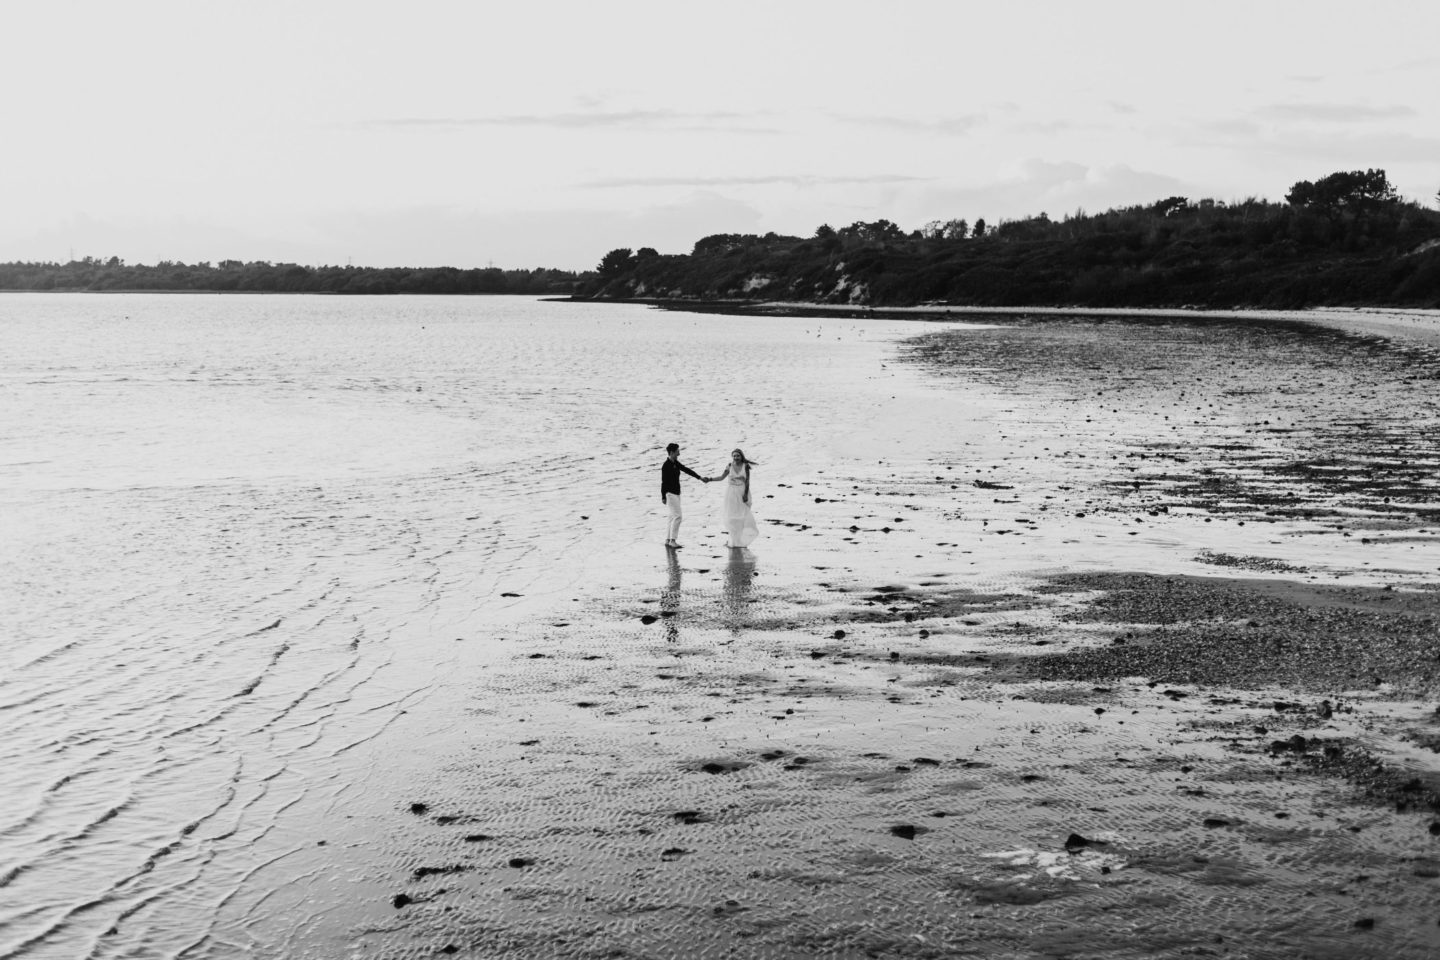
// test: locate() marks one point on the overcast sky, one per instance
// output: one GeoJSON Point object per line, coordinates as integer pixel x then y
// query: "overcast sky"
{"type": "Point", "coordinates": [533, 133]}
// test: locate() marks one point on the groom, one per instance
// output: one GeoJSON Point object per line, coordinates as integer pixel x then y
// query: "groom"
{"type": "Point", "coordinates": [670, 491]}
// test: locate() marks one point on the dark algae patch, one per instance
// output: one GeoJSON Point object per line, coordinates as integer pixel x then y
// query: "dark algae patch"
{"type": "Point", "coordinates": [1192, 630]}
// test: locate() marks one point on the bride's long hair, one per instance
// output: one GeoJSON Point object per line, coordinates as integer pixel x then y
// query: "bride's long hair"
{"type": "Point", "coordinates": [743, 459]}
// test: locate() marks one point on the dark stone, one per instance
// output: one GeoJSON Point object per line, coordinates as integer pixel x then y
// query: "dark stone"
{"type": "Point", "coordinates": [648, 619]}
{"type": "Point", "coordinates": [401, 900]}
{"type": "Point", "coordinates": [418, 808]}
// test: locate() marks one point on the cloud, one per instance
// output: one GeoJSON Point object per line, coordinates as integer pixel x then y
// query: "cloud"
{"type": "Point", "coordinates": [1332, 112]}
{"type": "Point", "coordinates": [585, 120]}
{"type": "Point", "coordinates": [1367, 149]}
{"type": "Point", "coordinates": [945, 126]}
{"type": "Point", "coordinates": [1404, 66]}
{"type": "Point", "coordinates": [1237, 129]}
{"type": "Point", "coordinates": [567, 239]}
{"type": "Point", "coordinates": [1056, 188]}
{"type": "Point", "coordinates": [1382, 151]}
{"type": "Point", "coordinates": [775, 180]}
{"type": "Point", "coordinates": [152, 239]}
{"type": "Point", "coordinates": [413, 236]}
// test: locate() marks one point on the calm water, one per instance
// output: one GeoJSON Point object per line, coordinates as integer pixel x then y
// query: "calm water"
{"type": "Point", "coordinates": [245, 535]}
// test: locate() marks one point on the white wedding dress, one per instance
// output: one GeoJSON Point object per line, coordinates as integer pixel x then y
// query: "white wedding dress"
{"type": "Point", "coordinates": [739, 520]}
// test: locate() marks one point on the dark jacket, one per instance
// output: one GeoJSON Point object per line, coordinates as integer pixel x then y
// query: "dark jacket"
{"type": "Point", "coordinates": [670, 477]}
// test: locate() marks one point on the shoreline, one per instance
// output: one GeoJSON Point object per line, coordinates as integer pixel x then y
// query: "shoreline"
{"type": "Point", "coordinates": [1404, 322]}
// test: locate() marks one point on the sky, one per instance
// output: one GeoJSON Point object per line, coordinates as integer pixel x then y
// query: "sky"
{"type": "Point", "coordinates": [544, 133]}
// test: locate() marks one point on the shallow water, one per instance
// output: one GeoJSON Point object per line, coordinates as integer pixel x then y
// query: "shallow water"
{"type": "Point", "coordinates": [270, 563]}
{"type": "Point", "coordinates": [244, 533]}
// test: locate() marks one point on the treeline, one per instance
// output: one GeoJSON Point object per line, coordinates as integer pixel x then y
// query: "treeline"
{"type": "Point", "coordinates": [1346, 239]}
{"type": "Point", "coordinates": [92, 274]}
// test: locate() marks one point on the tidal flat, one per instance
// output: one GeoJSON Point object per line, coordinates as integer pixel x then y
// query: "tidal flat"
{"type": "Point", "coordinates": [344, 628]}
{"type": "Point", "coordinates": [1149, 665]}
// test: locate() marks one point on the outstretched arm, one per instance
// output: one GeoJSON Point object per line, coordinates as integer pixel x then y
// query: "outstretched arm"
{"type": "Point", "coordinates": [689, 471]}
{"type": "Point", "coordinates": [723, 474]}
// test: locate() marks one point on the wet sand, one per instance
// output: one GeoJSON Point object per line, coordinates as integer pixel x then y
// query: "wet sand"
{"type": "Point", "coordinates": [1148, 667]}
{"type": "Point", "coordinates": [1418, 325]}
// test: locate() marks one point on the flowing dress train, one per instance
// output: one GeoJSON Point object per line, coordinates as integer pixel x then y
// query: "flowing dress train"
{"type": "Point", "coordinates": [739, 520]}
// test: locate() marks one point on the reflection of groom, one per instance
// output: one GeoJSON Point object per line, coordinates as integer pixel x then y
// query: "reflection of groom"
{"type": "Point", "coordinates": [670, 491]}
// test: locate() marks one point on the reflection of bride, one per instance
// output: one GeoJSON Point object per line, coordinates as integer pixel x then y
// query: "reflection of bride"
{"type": "Point", "coordinates": [735, 598]}
{"type": "Point", "coordinates": [736, 513]}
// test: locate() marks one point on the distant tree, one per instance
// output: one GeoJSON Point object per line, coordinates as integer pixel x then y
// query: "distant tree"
{"type": "Point", "coordinates": [616, 262]}
{"type": "Point", "coordinates": [646, 253]}
{"type": "Point", "coordinates": [877, 232]}
{"type": "Point", "coordinates": [718, 243]}
{"type": "Point", "coordinates": [979, 228]}
{"type": "Point", "coordinates": [934, 230]}
{"type": "Point", "coordinates": [1170, 206]}
{"type": "Point", "coordinates": [956, 229]}
{"type": "Point", "coordinates": [1355, 190]}
{"type": "Point", "coordinates": [824, 232]}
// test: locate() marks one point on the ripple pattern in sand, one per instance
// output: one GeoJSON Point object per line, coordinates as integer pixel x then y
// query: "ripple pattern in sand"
{"type": "Point", "coordinates": [789, 794]}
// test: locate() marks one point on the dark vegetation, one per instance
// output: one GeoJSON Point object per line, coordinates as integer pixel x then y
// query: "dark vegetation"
{"type": "Point", "coordinates": [1346, 239]}
{"type": "Point", "coordinates": [263, 277]}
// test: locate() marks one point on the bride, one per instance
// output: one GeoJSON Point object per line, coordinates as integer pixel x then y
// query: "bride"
{"type": "Point", "coordinates": [739, 521]}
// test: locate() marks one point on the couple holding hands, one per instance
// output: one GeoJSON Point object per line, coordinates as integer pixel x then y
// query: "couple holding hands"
{"type": "Point", "coordinates": [735, 513]}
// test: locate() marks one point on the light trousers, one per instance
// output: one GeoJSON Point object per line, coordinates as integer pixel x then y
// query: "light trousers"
{"type": "Point", "coordinates": [672, 504]}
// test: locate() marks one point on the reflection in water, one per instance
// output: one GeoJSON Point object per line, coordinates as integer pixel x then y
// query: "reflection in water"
{"type": "Point", "coordinates": [735, 599]}
{"type": "Point", "coordinates": [670, 597]}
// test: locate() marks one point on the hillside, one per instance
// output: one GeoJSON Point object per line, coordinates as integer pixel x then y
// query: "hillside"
{"type": "Point", "coordinates": [1345, 240]}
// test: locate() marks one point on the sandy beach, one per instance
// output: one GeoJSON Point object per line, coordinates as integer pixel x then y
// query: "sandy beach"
{"type": "Point", "coordinates": [994, 706]}
{"type": "Point", "coordinates": [1404, 324]}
